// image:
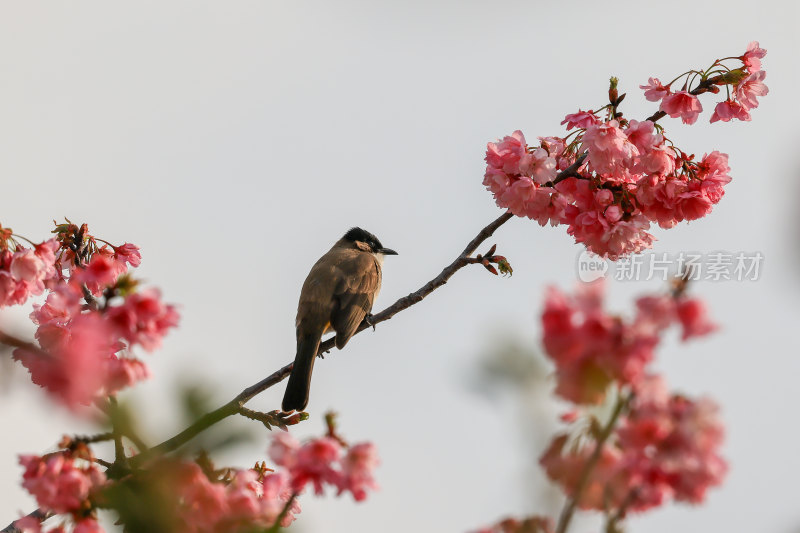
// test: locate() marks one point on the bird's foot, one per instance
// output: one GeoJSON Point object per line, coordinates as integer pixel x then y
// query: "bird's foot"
{"type": "Point", "coordinates": [368, 320]}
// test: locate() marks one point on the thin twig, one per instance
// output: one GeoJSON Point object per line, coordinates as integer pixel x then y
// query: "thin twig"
{"type": "Point", "coordinates": [583, 481]}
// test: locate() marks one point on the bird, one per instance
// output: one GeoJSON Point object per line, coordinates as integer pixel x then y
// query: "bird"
{"type": "Point", "coordinates": [336, 296]}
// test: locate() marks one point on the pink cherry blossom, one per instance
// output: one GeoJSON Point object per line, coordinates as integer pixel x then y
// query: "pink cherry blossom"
{"type": "Point", "coordinates": [665, 447]}
{"type": "Point", "coordinates": [713, 171]}
{"type": "Point", "coordinates": [539, 165]}
{"type": "Point", "coordinates": [752, 57]}
{"type": "Point", "coordinates": [643, 135]}
{"type": "Point", "coordinates": [101, 272]}
{"type": "Point", "coordinates": [283, 449]}
{"type": "Point", "coordinates": [316, 461]}
{"type": "Point", "coordinates": [693, 316]}
{"type": "Point", "coordinates": [143, 319]}
{"type": "Point", "coordinates": [608, 146]}
{"type": "Point", "coordinates": [58, 483]}
{"type": "Point", "coordinates": [659, 160]}
{"type": "Point", "coordinates": [26, 272]}
{"type": "Point", "coordinates": [682, 104]}
{"type": "Point", "coordinates": [750, 88]}
{"type": "Point", "coordinates": [671, 446]}
{"type": "Point", "coordinates": [653, 90]}
{"type": "Point", "coordinates": [581, 119]}
{"type": "Point", "coordinates": [128, 253]}
{"type": "Point", "coordinates": [74, 370]}
{"type": "Point", "coordinates": [63, 303]}
{"type": "Point", "coordinates": [506, 154]}
{"type": "Point", "coordinates": [591, 348]}
{"type": "Point", "coordinates": [244, 500]}
{"type": "Point", "coordinates": [27, 266]}
{"type": "Point", "coordinates": [357, 467]}
{"type": "Point", "coordinates": [728, 110]}
{"type": "Point", "coordinates": [123, 372]}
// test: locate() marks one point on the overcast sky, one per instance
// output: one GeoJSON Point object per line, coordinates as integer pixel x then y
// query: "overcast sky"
{"type": "Point", "coordinates": [236, 141]}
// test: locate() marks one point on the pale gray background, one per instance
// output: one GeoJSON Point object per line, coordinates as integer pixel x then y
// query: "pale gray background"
{"type": "Point", "coordinates": [235, 141]}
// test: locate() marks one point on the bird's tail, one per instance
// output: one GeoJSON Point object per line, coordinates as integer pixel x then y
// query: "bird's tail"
{"type": "Point", "coordinates": [296, 395]}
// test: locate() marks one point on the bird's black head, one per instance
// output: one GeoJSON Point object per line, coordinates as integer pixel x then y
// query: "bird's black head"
{"type": "Point", "coordinates": [359, 235]}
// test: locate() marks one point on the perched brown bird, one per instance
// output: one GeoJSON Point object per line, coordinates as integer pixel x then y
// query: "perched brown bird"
{"type": "Point", "coordinates": [336, 296]}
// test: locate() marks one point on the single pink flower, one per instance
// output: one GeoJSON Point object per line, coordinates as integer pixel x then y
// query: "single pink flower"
{"type": "Point", "coordinates": [694, 318]}
{"type": "Point", "coordinates": [581, 119]}
{"type": "Point", "coordinates": [753, 56]}
{"type": "Point", "coordinates": [750, 88]}
{"type": "Point", "coordinates": [682, 104]}
{"type": "Point", "coordinates": [496, 181]}
{"type": "Point", "coordinates": [659, 160]}
{"type": "Point", "coordinates": [610, 151]}
{"type": "Point", "coordinates": [642, 135]}
{"type": "Point", "coordinates": [357, 468]}
{"type": "Point", "coordinates": [101, 272]}
{"type": "Point", "coordinates": [506, 154]}
{"type": "Point", "coordinates": [315, 464]}
{"type": "Point", "coordinates": [730, 109]}
{"type": "Point", "coordinates": [653, 90]}
{"type": "Point", "coordinates": [693, 205]}
{"type": "Point", "coordinates": [128, 253]}
{"type": "Point", "coordinates": [539, 165]}
{"type": "Point", "coordinates": [143, 319]}
{"type": "Point", "coordinates": [27, 266]}
{"type": "Point", "coordinates": [283, 449]}
{"type": "Point", "coordinates": [123, 372]}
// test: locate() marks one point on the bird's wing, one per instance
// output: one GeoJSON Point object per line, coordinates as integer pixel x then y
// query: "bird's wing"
{"type": "Point", "coordinates": [354, 295]}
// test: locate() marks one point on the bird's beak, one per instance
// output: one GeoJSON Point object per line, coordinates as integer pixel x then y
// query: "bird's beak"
{"type": "Point", "coordinates": [387, 251]}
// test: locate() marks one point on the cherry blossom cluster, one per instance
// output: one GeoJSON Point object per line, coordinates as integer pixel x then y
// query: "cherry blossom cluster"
{"type": "Point", "coordinates": [198, 500]}
{"type": "Point", "coordinates": [608, 180]}
{"type": "Point", "coordinates": [744, 85]}
{"type": "Point", "coordinates": [194, 496]}
{"type": "Point", "coordinates": [592, 349]}
{"type": "Point", "coordinates": [665, 447]}
{"type": "Point", "coordinates": [92, 317]}
{"type": "Point", "coordinates": [64, 483]}
{"type": "Point", "coordinates": [324, 462]}
{"type": "Point", "coordinates": [657, 446]}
